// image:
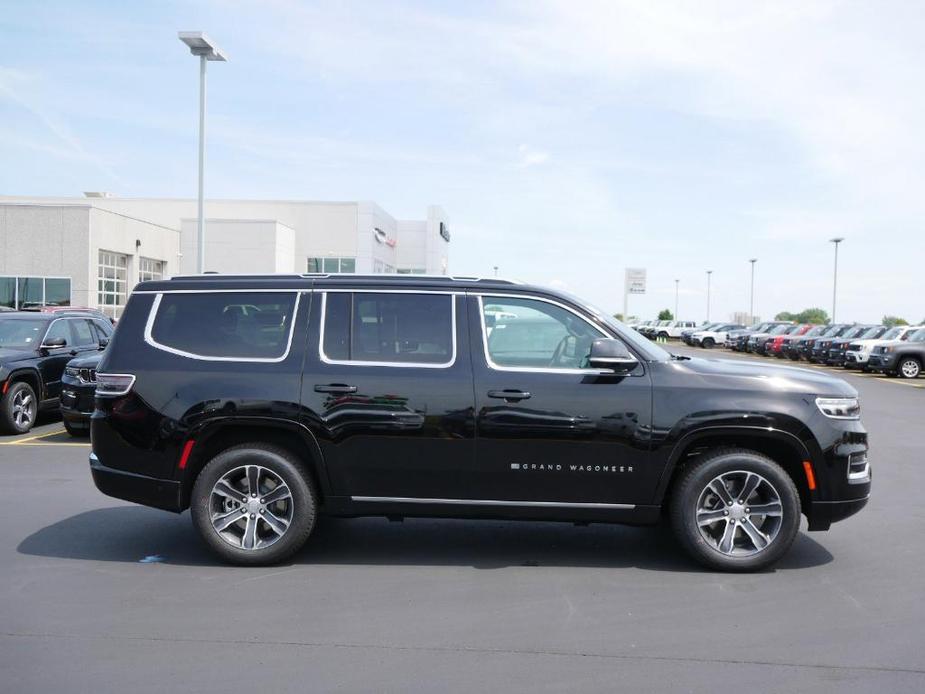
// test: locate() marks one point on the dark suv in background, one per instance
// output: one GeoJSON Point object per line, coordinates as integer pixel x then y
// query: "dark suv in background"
{"type": "Point", "coordinates": [34, 349]}
{"type": "Point", "coordinates": [260, 403]}
{"type": "Point", "coordinates": [903, 358]}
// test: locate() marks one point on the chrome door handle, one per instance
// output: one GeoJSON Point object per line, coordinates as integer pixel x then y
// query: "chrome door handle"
{"type": "Point", "coordinates": [335, 388]}
{"type": "Point", "coordinates": [509, 395]}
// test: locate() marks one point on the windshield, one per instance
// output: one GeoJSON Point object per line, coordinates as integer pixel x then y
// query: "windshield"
{"type": "Point", "coordinates": [21, 334]}
{"type": "Point", "coordinates": [832, 330]}
{"type": "Point", "coordinates": [892, 334]}
{"type": "Point", "coordinates": [871, 333]}
{"type": "Point", "coordinates": [856, 332]}
{"type": "Point", "coordinates": [918, 336]}
{"type": "Point", "coordinates": [781, 330]}
{"type": "Point", "coordinates": [818, 330]}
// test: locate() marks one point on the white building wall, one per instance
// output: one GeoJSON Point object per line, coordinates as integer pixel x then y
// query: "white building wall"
{"type": "Point", "coordinates": [132, 237]}
{"type": "Point", "coordinates": [242, 246]}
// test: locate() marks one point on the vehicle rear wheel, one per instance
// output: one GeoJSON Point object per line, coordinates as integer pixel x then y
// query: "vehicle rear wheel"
{"type": "Point", "coordinates": [909, 367]}
{"type": "Point", "coordinates": [18, 408]}
{"type": "Point", "coordinates": [735, 510]}
{"type": "Point", "coordinates": [708, 342]}
{"type": "Point", "coordinates": [663, 335]}
{"type": "Point", "coordinates": [254, 504]}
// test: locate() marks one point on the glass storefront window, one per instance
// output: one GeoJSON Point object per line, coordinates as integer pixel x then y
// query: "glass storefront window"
{"type": "Point", "coordinates": [57, 292]}
{"type": "Point", "coordinates": [332, 265]}
{"type": "Point", "coordinates": [8, 292]}
{"type": "Point", "coordinates": [31, 292]}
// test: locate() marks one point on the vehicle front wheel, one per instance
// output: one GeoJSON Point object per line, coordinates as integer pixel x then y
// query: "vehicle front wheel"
{"type": "Point", "coordinates": [735, 510]}
{"type": "Point", "coordinates": [909, 368]}
{"type": "Point", "coordinates": [18, 408]}
{"type": "Point", "coordinates": [254, 504]}
{"type": "Point", "coordinates": [708, 342]}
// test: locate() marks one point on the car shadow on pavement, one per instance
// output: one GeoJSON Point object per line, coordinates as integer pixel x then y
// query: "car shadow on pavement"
{"type": "Point", "coordinates": [131, 533]}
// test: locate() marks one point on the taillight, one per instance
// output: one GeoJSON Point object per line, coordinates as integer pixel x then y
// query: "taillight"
{"type": "Point", "coordinates": [114, 384]}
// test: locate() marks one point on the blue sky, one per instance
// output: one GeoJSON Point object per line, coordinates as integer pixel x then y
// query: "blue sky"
{"type": "Point", "coordinates": [565, 140]}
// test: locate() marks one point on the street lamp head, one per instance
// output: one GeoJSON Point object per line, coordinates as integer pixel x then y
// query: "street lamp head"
{"type": "Point", "coordinates": [753, 260]}
{"type": "Point", "coordinates": [837, 240]}
{"type": "Point", "coordinates": [201, 45]}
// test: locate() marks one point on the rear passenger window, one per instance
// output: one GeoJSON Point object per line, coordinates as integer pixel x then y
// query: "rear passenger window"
{"type": "Point", "coordinates": [225, 325]}
{"type": "Point", "coordinates": [388, 328]}
{"type": "Point", "coordinates": [83, 337]}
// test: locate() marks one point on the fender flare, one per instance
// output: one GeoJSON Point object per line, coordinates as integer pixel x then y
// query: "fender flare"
{"type": "Point", "coordinates": [690, 437]}
{"type": "Point", "coordinates": [33, 373]}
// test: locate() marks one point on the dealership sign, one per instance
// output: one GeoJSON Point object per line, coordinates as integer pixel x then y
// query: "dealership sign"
{"type": "Point", "coordinates": [635, 282]}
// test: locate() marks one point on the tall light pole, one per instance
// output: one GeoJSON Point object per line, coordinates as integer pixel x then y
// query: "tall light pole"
{"type": "Point", "coordinates": [676, 282]}
{"type": "Point", "coordinates": [496, 270]}
{"type": "Point", "coordinates": [751, 303]}
{"type": "Point", "coordinates": [202, 46]}
{"type": "Point", "coordinates": [837, 240]}
{"type": "Point", "coordinates": [709, 273]}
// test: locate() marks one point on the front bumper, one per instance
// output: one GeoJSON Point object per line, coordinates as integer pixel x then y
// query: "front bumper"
{"type": "Point", "coordinates": [882, 362]}
{"type": "Point", "coordinates": [76, 404]}
{"type": "Point", "coordinates": [827, 512]}
{"type": "Point", "coordinates": [150, 491]}
{"type": "Point", "coordinates": [856, 360]}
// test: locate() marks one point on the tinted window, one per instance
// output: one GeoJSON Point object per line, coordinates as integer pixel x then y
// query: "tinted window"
{"type": "Point", "coordinates": [104, 328]}
{"type": "Point", "coordinates": [396, 328]}
{"type": "Point", "coordinates": [80, 331]}
{"type": "Point", "coordinates": [226, 324]}
{"type": "Point", "coordinates": [58, 328]}
{"type": "Point", "coordinates": [535, 334]}
{"type": "Point", "coordinates": [21, 334]}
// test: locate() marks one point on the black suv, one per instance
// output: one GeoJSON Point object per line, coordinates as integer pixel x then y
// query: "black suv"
{"type": "Point", "coordinates": [78, 388]}
{"type": "Point", "coordinates": [261, 402]}
{"type": "Point", "coordinates": [34, 349]}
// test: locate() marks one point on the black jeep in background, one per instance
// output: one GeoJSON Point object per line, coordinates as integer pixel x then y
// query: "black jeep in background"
{"type": "Point", "coordinates": [262, 402]}
{"type": "Point", "coordinates": [34, 349]}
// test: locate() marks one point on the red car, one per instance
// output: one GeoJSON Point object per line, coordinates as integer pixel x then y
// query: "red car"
{"type": "Point", "coordinates": [776, 343]}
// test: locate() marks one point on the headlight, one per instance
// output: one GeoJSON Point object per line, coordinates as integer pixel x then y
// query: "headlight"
{"type": "Point", "coordinates": [71, 371]}
{"type": "Point", "coordinates": [887, 350]}
{"type": "Point", "coordinates": [839, 408]}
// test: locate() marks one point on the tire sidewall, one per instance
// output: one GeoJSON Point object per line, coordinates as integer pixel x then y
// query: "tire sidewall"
{"type": "Point", "coordinates": [280, 463]}
{"type": "Point", "coordinates": [8, 422]}
{"type": "Point", "coordinates": [687, 494]}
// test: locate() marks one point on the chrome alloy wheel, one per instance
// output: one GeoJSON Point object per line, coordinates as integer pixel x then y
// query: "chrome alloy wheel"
{"type": "Point", "coordinates": [23, 409]}
{"type": "Point", "coordinates": [250, 507]}
{"type": "Point", "coordinates": [910, 368]}
{"type": "Point", "coordinates": [739, 513]}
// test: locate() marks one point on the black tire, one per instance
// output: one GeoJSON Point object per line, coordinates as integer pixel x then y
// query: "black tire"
{"type": "Point", "coordinates": [909, 367]}
{"type": "Point", "coordinates": [76, 432]}
{"type": "Point", "coordinates": [708, 342]}
{"type": "Point", "coordinates": [693, 484]}
{"type": "Point", "coordinates": [279, 462]}
{"type": "Point", "coordinates": [663, 335]}
{"type": "Point", "coordinates": [12, 421]}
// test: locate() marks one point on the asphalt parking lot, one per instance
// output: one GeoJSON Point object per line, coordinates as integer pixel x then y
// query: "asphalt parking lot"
{"type": "Point", "coordinates": [101, 596]}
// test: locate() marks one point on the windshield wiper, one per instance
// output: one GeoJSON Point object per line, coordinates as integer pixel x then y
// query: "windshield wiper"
{"type": "Point", "coordinates": [680, 357]}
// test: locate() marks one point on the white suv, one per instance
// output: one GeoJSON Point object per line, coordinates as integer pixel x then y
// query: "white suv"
{"type": "Point", "coordinates": [673, 328]}
{"type": "Point", "coordinates": [716, 336]}
{"type": "Point", "coordinates": [858, 351]}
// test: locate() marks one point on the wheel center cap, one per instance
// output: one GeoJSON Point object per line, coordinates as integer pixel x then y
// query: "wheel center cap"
{"type": "Point", "coordinates": [253, 505]}
{"type": "Point", "coordinates": [737, 512]}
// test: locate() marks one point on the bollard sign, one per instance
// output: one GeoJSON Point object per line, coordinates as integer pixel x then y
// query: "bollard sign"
{"type": "Point", "coordinates": [635, 280]}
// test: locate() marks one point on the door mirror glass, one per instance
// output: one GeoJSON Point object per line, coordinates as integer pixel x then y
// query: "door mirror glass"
{"type": "Point", "coordinates": [104, 342]}
{"type": "Point", "coordinates": [608, 353]}
{"type": "Point", "coordinates": [54, 343]}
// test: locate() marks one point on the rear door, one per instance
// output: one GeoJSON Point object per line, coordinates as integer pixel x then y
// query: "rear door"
{"type": "Point", "coordinates": [551, 431]}
{"type": "Point", "coordinates": [387, 388]}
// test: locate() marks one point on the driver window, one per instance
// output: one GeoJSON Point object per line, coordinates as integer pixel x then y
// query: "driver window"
{"type": "Point", "coordinates": [58, 329]}
{"type": "Point", "coordinates": [528, 333]}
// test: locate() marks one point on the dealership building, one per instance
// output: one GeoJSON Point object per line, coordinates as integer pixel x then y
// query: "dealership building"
{"type": "Point", "coordinates": [91, 251]}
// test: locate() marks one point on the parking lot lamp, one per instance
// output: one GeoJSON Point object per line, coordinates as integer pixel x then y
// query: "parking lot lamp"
{"type": "Point", "coordinates": [751, 303]}
{"type": "Point", "coordinates": [837, 240]}
{"type": "Point", "coordinates": [709, 273]}
{"type": "Point", "coordinates": [202, 46]}
{"type": "Point", "coordinates": [676, 299]}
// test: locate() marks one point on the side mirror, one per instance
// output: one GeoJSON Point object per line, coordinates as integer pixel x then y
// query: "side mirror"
{"type": "Point", "coordinates": [104, 342]}
{"type": "Point", "coordinates": [54, 343]}
{"type": "Point", "coordinates": [607, 353]}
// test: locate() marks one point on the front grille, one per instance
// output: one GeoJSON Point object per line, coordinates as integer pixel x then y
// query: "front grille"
{"type": "Point", "coordinates": [858, 467]}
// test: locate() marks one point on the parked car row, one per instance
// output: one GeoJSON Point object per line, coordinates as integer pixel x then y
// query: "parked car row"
{"type": "Point", "coordinates": [664, 329]}
{"type": "Point", "coordinates": [894, 351]}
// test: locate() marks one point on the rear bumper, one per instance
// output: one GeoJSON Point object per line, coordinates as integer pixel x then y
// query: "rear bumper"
{"type": "Point", "coordinates": [824, 513]}
{"type": "Point", "coordinates": [149, 491]}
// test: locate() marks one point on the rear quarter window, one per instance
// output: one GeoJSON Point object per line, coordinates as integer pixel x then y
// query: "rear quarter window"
{"type": "Point", "coordinates": [224, 325]}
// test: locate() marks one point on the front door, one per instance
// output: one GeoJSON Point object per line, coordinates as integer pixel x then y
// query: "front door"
{"type": "Point", "coordinates": [388, 393]}
{"type": "Point", "coordinates": [549, 429]}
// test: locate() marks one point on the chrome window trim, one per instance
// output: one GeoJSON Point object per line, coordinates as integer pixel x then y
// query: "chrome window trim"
{"type": "Point", "coordinates": [488, 502]}
{"type": "Point", "coordinates": [531, 369]}
{"type": "Point", "coordinates": [152, 314]}
{"type": "Point", "coordinates": [394, 364]}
